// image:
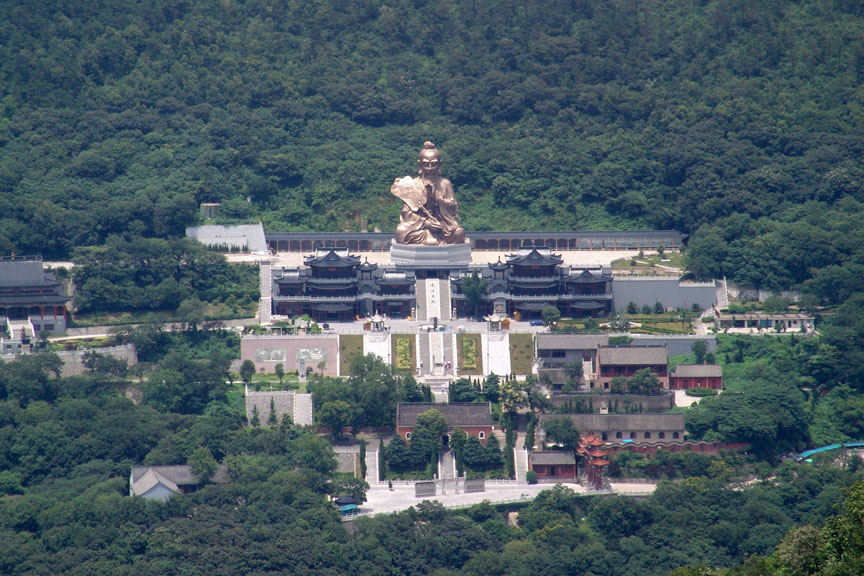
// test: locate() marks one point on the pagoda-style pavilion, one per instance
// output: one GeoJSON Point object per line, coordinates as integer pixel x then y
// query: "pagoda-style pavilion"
{"type": "Point", "coordinates": [334, 286]}
{"type": "Point", "coordinates": [533, 279]}
{"type": "Point", "coordinates": [594, 459]}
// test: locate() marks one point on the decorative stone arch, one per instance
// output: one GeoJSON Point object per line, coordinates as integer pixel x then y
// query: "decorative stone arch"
{"type": "Point", "coordinates": [675, 435]}
{"type": "Point", "coordinates": [482, 435]}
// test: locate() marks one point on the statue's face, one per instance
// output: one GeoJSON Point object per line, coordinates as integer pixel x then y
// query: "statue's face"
{"type": "Point", "coordinates": [430, 165]}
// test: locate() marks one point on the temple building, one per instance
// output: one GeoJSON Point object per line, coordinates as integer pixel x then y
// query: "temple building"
{"type": "Point", "coordinates": [534, 278]}
{"type": "Point", "coordinates": [32, 303]}
{"type": "Point", "coordinates": [335, 286]}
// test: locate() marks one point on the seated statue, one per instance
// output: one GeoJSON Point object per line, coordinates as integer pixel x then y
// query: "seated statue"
{"type": "Point", "coordinates": [429, 213]}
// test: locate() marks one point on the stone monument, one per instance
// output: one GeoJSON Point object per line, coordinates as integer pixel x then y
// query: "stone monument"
{"type": "Point", "coordinates": [429, 232]}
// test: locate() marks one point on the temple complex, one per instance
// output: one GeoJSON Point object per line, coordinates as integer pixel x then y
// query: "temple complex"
{"type": "Point", "coordinates": [32, 303]}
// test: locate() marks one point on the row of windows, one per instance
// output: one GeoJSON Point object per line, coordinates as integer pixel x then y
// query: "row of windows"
{"type": "Point", "coordinates": [646, 435]}
{"type": "Point", "coordinates": [481, 435]}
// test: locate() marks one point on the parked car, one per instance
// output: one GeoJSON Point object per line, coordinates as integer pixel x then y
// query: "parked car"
{"type": "Point", "coordinates": [537, 323]}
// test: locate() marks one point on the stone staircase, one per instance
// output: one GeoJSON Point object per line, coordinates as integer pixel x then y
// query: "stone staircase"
{"type": "Point", "coordinates": [520, 461]}
{"type": "Point", "coordinates": [425, 357]}
{"type": "Point", "coordinates": [449, 356]}
{"type": "Point", "coordinates": [433, 298]}
{"type": "Point", "coordinates": [587, 373]}
{"type": "Point", "coordinates": [372, 476]}
{"type": "Point", "coordinates": [265, 303]}
{"type": "Point", "coordinates": [446, 306]}
{"type": "Point", "coordinates": [303, 409]}
{"type": "Point", "coordinates": [420, 296]}
{"type": "Point", "coordinates": [20, 329]}
{"type": "Point", "coordinates": [722, 295]}
{"type": "Point", "coordinates": [436, 351]}
{"type": "Point", "coordinates": [446, 465]}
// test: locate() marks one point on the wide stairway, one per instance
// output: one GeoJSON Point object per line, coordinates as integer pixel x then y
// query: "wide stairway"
{"type": "Point", "coordinates": [420, 296]}
{"type": "Point", "coordinates": [587, 373]}
{"type": "Point", "coordinates": [722, 295]}
{"type": "Point", "coordinates": [19, 329]}
{"type": "Point", "coordinates": [446, 306]}
{"type": "Point", "coordinates": [372, 468]}
{"type": "Point", "coordinates": [446, 465]}
{"type": "Point", "coordinates": [425, 354]}
{"type": "Point", "coordinates": [303, 409]}
{"type": "Point", "coordinates": [433, 299]}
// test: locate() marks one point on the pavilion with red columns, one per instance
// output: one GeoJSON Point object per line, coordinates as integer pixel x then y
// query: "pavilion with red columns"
{"type": "Point", "coordinates": [594, 459]}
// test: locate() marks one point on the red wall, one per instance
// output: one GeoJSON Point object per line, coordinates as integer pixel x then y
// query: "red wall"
{"type": "Point", "coordinates": [677, 383]}
{"type": "Point", "coordinates": [561, 471]}
{"type": "Point", "coordinates": [470, 430]}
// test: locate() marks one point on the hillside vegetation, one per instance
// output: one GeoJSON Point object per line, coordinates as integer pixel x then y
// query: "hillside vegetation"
{"type": "Point", "coordinates": [738, 121]}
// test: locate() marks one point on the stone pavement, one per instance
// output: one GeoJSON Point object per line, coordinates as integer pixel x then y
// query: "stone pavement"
{"type": "Point", "coordinates": [478, 257]}
{"type": "Point", "coordinates": [382, 500]}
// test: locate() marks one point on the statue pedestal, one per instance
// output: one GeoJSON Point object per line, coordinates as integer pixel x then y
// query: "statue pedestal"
{"type": "Point", "coordinates": [420, 256]}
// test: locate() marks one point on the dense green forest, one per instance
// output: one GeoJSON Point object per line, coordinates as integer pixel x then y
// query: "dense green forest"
{"type": "Point", "coordinates": [737, 121]}
{"type": "Point", "coordinates": [66, 445]}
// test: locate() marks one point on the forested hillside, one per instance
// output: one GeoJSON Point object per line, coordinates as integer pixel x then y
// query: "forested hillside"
{"type": "Point", "coordinates": [742, 118]}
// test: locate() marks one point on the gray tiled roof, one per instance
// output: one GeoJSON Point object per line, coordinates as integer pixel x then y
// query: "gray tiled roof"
{"type": "Point", "coordinates": [21, 272]}
{"type": "Point", "coordinates": [571, 341]}
{"type": "Point", "coordinates": [632, 355]}
{"type": "Point", "coordinates": [610, 422]}
{"type": "Point", "coordinates": [148, 481]}
{"type": "Point", "coordinates": [180, 475]}
{"type": "Point", "coordinates": [698, 370]}
{"type": "Point", "coordinates": [456, 414]}
{"type": "Point", "coordinates": [552, 458]}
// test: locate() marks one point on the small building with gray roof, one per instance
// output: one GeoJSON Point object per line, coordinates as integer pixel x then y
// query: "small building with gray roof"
{"type": "Point", "coordinates": [686, 376]}
{"type": "Point", "coordinates": [625, 361]}
{"type": "Point", "coordinates": [474, 418]}
{"type": "Point", "coordinates": [626, 428]}
{"type": "Point", "coordinates": [162, 482]}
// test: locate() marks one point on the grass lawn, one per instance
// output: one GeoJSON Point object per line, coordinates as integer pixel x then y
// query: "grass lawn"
{"type": "Point", "coordinates": [652, 259]}
{"type": "Point", "coordinates": [470, 353]}
{"type": "Point", "coordinates": [521, 353]}
{"type": "Point", "coordinates": [404, 353]}
{"type": "Point", "coordinates": [735, 377]}
{"type": "Point", "coordinates": [350, 346]}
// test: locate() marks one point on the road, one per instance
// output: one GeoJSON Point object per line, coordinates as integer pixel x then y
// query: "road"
{"type": "Point", "coordinates": [383, 500]}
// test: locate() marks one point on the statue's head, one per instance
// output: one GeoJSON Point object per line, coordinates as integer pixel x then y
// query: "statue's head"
{"type": "Point", "coordinates": [429, 160]}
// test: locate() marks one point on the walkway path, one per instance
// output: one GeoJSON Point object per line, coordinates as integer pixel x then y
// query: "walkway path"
{"type": "Point", "coordinates": [377, 343]}
{"type": "Point", "coordinates": [496, 348]}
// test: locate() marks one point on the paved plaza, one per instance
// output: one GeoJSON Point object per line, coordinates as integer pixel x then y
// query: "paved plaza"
{"type": "Point", "coordinates": [577, 258]}
{"type": "Point", "coordinates": [382, 500]}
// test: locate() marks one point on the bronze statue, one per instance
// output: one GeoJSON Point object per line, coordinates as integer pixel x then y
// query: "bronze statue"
{"type": "Point", "coordinates": [429, 213]}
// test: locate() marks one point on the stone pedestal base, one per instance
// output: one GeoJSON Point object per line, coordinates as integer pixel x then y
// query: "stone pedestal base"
{"type": "Point", "coordinates": [420, 256]}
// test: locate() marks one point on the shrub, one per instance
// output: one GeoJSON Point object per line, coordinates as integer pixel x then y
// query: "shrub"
{"type": "Point", "coordinates": [531, 477]}
{"type": "Point", "coordinates": [700, 392]}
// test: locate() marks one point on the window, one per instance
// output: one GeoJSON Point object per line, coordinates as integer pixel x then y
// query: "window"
{"type": "Point", "coordinates": [605, 436]}
{"type": "Point", "coordinates": [632, 435]}
{"type": "Point", "coordinates": [661, 435]}
{"type": "Point", "coordinates": [408, 435]}
{"type": "Point", "coordinates": [675, 435]}
{"type": "Point", "coordinates": [618, 435]}
{"type": "Point", "coordinates": [482, 435]}
{"type": "Point", "coordinates": [647, 435]}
